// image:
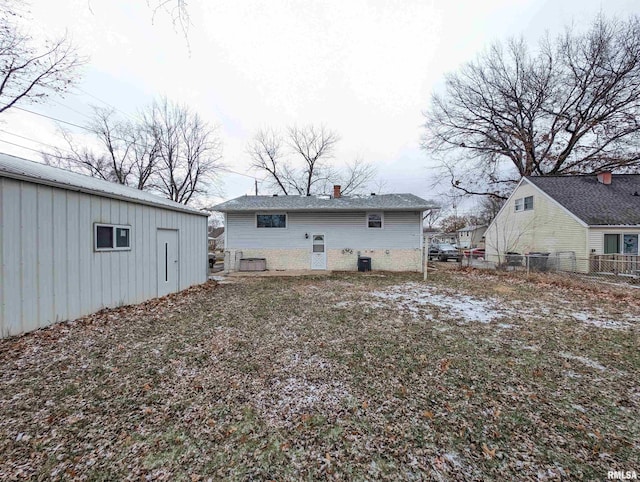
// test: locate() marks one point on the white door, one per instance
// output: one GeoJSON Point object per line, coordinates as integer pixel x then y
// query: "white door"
{"type": "Point", "coordinates": [318, 252]}
{"type": "Point", "coordinates": [168, 261]}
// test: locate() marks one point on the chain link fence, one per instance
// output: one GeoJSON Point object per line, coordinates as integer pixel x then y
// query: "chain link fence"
{"type": "Point", "coordinates": [623, 270]}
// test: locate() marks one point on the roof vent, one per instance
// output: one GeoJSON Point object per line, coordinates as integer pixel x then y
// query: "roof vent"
{"type": "Point", "coordinates": [373, 193]}
{"type": "Point", "coordinates": [604, 177]}
{"type": "Point", "coordinates": [636, 193]}
{"type": "Point", "coordinates": [275, 195]}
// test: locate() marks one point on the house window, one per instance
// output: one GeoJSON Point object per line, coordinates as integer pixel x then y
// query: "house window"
{"type": "Point", "coordinates": [528, 203]}
{"type": "Point", "coordinates": [611, 244]}
{"type": "Point", "coordinates": [621, 244]}
{"type": "Point", "coordinates": [374, 220]}
{"type": "Point", "coordinates": [112, 237]}
{"type": "Point", "coordinates": [524, 204]}
{"type": "Point", "coordinates": [271, 220]}
{"type": "Point", "coordinates": [630, 244]}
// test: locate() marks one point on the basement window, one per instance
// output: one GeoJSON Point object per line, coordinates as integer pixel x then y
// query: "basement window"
{"type": "Point", "coordinates": [112, 237]}
{"type": "Point", "coordinates": [271, 220]}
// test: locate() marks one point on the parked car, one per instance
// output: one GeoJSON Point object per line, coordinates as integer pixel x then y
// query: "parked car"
{"type": "Point", "coordinates": [444, 252]}
{"type": "Point", "coordinates": [474, 253]}
{"type": "Point", "coordinates": [212, 260]}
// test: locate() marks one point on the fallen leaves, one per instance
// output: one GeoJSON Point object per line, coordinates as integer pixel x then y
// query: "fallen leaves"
{"type": "Point", "coordinates": [488, 453]}
{"type": "Point", "coordinates": [258, 380]}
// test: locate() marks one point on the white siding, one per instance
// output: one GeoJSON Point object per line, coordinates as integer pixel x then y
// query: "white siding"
{"type": "Point", "coordinates": [548, 227]}
{"type": "Point", "coordinates": [401, 230]}
{"type": "Point", "coordinates": [49, 270]}
{"type": "Point", "coordinates": [596, 237]}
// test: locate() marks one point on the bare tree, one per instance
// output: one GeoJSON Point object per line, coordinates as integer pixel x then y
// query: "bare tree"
{"type": "Point", "coordinates": [313, 145]}
{"type": "Point", "coordinates": [127, 153]}
{"type": "Point", "coordinates": [177, 10]}
{"type": "Point", "coordinates": [489, 207]}
{"type": "Point", "coordinates": [170, 150]}
{"type": "Point", "coordinates": [572, 107]}
{"type": "Point", "coordinates": [189, 150]}
{"type": "Point", "coordinates": [310, 171]}
{"type": "Point", "coordinates": [30, 73]}
{"type": "Point", "coordinates": [266, 152]}
{"type": "Point", "coordinates": [355, 176]}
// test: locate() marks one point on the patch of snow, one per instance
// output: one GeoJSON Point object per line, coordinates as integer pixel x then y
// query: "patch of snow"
{"type": "Point", "coordinates": [572, 374]}
{"type": "Point", "coordinates": [584, 360]}
{"type": "Point", "coordinates": [222, 280]}
{"type": "Point", "coordinates": [454, 459]}
{"type": "Point", "coordinates": [600, 323]}
{"type": "Point", "coordinates": [417, 298]}
{"type": "Point", "coordinates": [504, 325]}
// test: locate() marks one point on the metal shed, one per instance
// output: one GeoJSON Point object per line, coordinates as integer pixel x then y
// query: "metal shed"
{"type": "Point", "coordinates": [71, 245]}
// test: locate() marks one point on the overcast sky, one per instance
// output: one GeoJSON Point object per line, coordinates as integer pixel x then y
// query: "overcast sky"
{"type": "Point", "coordinates": [365, 69]}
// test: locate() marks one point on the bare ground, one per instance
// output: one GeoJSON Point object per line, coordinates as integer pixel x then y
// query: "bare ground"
{"type": "Point", "coordinates": [470, 376]}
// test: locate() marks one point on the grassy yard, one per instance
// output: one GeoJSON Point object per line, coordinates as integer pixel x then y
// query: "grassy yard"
{"type": "Point", "coordinates": [470, 376]}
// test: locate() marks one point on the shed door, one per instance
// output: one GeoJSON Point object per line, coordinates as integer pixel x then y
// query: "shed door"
{"type": "Point", "coordinates": [318, 252]}
{"type": "Point", "coordinates": [168, 261]}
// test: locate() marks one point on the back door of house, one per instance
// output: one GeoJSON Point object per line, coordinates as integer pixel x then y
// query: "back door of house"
{"type": "Point", "coordinates": [168, 261]}
{"type": "Point", "coordinates": [318, 252]}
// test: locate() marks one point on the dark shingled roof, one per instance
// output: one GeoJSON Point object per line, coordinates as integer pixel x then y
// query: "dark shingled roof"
{"type": "Point", "coordinates": [595, 203]}
{"type": "Point", "coordinates": [381, 202]}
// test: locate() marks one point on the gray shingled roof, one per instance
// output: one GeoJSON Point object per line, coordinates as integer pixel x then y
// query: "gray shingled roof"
{"type": "Point", "coordinates": [594, 203]}
{"type": "Point", "coordinates": [22, 169]}
{"type": "Point", "coordinates": [382, 202]}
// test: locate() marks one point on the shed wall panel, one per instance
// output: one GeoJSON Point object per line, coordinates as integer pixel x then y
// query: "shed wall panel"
{"type": "Point", "coordinates": [73, 259]}
{"type": "Point", "coordinates": [28, 260]}
{"type": "Point", "coordinates": [46, 311]}
{"type": "Point", "coordinates": [11, 240]}
{"type": "Point", "coordinates": [60, 252]}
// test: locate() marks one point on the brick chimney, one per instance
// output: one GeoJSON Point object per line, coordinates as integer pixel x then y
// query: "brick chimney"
{"type": "Point", "coordinates": [336, 191]}
{"type": "Point", "coordinates": [604, 177]}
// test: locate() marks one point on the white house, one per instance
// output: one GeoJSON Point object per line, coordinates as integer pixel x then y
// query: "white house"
{"type": "Point", "coordinates": [325, 233]}
{"type": "Point", "coordinates": [594, 217]}
{"type": "Point", "coordinates": [471, 236]}
{"type": "Point", "coordinates": [71, 245]}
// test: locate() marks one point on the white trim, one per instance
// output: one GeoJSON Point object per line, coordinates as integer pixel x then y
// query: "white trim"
{"type": "Point", "coordinates": [615, 226]}
{"type": "Point", "coordinates": [369, 213]}
{"type": "Point", "coordinates": [259, 213]}
{"type": "Point", "coordinates": [115, 228]}
{"type": "Point", "coordinates": [324, 245]}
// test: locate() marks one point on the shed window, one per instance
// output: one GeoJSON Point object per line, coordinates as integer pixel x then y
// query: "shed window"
{"type": "Point", "coordinates": [111, 237]}
{"type": "Point", "coordinates": [374, 220]}
{"type": "Point", "coordinates": [271, 220]}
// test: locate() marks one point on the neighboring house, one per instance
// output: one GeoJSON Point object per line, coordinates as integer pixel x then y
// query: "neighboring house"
{"type": "Point", "coordinates": [325, 233]}
{"type": "Point", "coordinates": [449, 238]}
{"type": "Point", "coordinates": [71, 245]}
{"type": "Point", "coordinates": [428, 234]}
{"type": "Point", "coordinates": [588, 215]}
{"type": "Point", "coordinates": [216, 239]}
{"type": "Point", "coordinates": [471, 236]}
